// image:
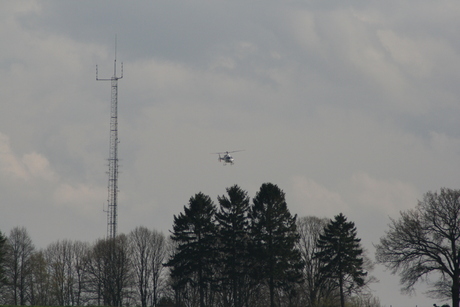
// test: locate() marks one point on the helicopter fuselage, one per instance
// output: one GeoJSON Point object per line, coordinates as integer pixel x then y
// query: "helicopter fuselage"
{"type": "Point", "coordinates": [226, 159]}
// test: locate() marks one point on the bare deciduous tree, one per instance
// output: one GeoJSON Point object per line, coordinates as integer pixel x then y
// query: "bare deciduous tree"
{"type": "Point", "coordinates": [58, 257]}
{"type": "Point", "coordinates": [19, 252]}
{"type": "Point", "coordinates": [40, 291]}
{"type": "Point", "coordinates": [80, 250]}
{"type": "Point", "coordinates": [109, 271]}
{"type": "Point", "coordinates": [148, 251]}
{"type": "Point", "coordinates": [425, 241]}
{"type": "Point", "coordinates": [316, 286]}
{"type": "Point", "coordinates": [3, 279]}
{"type": "Point", "coordinates": [64, 260]}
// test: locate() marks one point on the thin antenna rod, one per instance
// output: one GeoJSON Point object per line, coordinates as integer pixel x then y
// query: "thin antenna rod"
{"type": "Point", "coordinates": [113, 151]}
{"type": "Point", "coordinates": [115, 62]}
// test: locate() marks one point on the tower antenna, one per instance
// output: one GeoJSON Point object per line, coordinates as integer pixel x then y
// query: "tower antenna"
{"type": "Point", "coordinates": [113, 152]}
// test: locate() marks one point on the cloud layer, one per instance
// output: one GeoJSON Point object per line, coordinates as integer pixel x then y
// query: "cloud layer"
{"type": "Point", "coordinates": [349, 108]}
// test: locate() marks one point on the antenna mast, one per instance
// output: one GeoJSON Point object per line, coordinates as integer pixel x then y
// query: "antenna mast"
{"type": "Point", "coordinates": [113, 152]}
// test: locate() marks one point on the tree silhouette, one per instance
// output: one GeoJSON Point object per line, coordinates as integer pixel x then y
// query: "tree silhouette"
{"type": "Point", "coordinates": [2, 259]}
{"type": "Point", "coordinates": [341, 252]}
{"type": "Point", "coordinates": [148, 252]}
{"type": "Point", "coordinates": [194, 234]}
{"type": "Point", "coordinates": [274, 234]}
{"type": "Point", "coordinates": [233, 224]}
{"type": "Point", "coordinates": [316, 288]}
{"type": "Point", "coordinates": [19, 252]}
{"type": "Point", "coordinates": [426, 240]}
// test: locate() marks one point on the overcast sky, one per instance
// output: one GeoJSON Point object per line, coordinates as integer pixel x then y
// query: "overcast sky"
{"type": "Point", "coordinates": [350, 108]}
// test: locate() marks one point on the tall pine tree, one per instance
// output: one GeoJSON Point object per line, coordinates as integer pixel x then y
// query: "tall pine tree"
{"type": "Point", "coordinates": [341, 253]}
{"type": "Point", "coordinates": [194, 235]}
{"type": "Point", "coordinates": [274, 233]}
{"type": "Point", "coordinates": [233, 224]}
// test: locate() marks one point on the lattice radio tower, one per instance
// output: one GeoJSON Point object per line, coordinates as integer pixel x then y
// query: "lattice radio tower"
{"type": "Point", "coordinates": [113, 153]}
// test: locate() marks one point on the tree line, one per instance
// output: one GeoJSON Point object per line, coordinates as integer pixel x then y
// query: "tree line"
{"type": "Point", "coordinates": [240, 253]}
{"type": "Point", "coordinates": [258, 254]}
{"type": "Point", "coordinates": [126, 271]}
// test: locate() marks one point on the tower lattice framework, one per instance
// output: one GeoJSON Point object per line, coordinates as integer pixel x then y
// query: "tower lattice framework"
{"type": "Point", "coordinates": [112, 199]}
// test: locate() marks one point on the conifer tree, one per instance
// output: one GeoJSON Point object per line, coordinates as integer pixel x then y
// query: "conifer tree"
{"type": "Point", "coordinates": [233, 224]}
{"type": "Point", "coordinates": [274, 234]}
{"type": "Point", "coordinates": [194, 235]}
{"type": "Point", "coordinates": [341, 252]}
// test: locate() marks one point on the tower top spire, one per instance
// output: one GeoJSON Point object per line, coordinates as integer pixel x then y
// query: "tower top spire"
{"type": "Point", "coordinates": [112, 198]}
{"type": "Point", "coordinates": [115, 61]}
{"type": "Point", "coordinates": [114, 77]}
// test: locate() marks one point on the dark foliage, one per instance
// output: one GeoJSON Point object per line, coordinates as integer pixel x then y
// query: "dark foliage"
{"type": "Point", "coordinates": [241, 255]}
{"type": "Point", "coordinates": [341, 252]}
{"type": "Point", "coordinates": [274, 236]}
{"type": "Point", "coordinates": [194, 234]}
{"type": "Point", "coordinates": [233, 224]}
{"type": "Point", "coordinates": [316, 289]}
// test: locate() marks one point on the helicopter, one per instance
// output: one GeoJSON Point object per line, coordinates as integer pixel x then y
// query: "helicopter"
{"type": "Point", "coordinates": [226, 157]}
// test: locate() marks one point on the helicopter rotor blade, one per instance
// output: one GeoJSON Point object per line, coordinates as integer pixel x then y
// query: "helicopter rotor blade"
{"type": "Point", "coordinates": [225, 152]}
